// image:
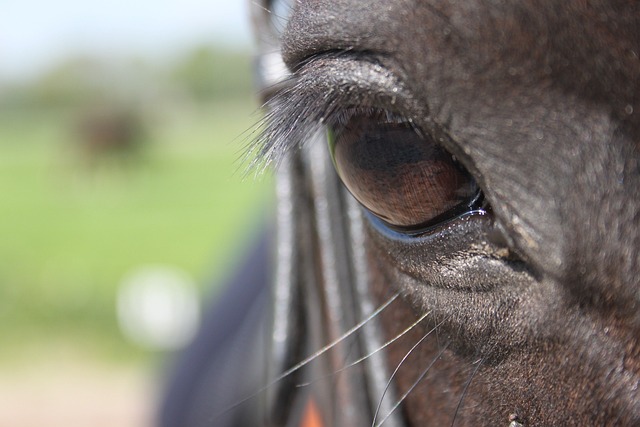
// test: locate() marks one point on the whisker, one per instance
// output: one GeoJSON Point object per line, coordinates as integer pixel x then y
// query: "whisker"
{"type": "Point", "coordinates": [362, 359]}
{"type": "Point", "coordinates": [386, 388]}
{"type": "Point", "coordinates": [414, 385]}
{"type": "Point", "coordinates": [268, 10]}
{"type": "Point", "coordinates": [466, 386]}
{"type": "Point", "coordinates": [312, 357]}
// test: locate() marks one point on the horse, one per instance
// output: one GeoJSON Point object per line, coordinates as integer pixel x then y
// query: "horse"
{"type": "Point", "coordinates": [458, 216]}
{"type": "Point", "coordinates": [109, 135]}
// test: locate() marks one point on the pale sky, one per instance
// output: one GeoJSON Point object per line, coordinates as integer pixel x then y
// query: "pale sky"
{"type": "Point", "coordinates": [34, 33]}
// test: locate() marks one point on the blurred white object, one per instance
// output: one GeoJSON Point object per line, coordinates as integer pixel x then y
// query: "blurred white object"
{"type": "Point", "coordinates": [158, 307]}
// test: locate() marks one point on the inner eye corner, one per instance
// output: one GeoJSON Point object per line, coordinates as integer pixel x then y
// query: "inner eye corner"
{"type": "Point", "coordinates": [398, 172]}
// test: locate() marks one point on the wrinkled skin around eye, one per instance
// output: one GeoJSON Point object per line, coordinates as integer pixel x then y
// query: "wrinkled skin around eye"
{"type": "Point", "coordinates": [403, 178]}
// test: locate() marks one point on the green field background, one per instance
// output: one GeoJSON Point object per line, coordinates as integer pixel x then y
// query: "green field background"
{"type": "Point", "coordinates": [69, 233]}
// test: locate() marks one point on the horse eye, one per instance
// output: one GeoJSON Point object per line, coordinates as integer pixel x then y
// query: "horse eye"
{"type": "Point", "coordinates": [401, 176]}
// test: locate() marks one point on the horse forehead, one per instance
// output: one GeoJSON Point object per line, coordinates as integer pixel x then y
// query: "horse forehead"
{"type": "Point", "coordinates": [488, 39]}
{"type": "Point", "coordinates": [389, 27]}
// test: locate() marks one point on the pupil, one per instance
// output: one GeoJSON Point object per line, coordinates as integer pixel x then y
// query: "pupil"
{"type": "Point", "coordinates": [401, 177]}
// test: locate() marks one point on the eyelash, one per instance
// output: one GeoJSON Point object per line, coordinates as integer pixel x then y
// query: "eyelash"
{"type": "Point", "coordinates": [381, 116]}
{"type": "Point", "coordinates": [293, 117]}
{"type": "Point", "coordinates": [322, 92]}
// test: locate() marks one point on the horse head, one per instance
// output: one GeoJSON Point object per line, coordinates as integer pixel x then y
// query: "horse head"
{"type": "Point", "coordinates": [465, 177]}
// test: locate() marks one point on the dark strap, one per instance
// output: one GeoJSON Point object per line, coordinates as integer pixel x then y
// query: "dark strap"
{"type": "Point", "coordinates": [222, 366]}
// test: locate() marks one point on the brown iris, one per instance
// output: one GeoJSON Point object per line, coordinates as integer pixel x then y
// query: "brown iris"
{"type": "Point", "coordinates": [405, 179]}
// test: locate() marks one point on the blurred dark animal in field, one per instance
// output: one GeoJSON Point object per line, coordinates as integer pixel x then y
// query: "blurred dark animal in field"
{"type": "Point", "coordinates": [109, 137]}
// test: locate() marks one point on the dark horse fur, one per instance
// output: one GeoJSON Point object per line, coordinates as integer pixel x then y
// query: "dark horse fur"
{"type": "Point", "coordinates": [535, 306]}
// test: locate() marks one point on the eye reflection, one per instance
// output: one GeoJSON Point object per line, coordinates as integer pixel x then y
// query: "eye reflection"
{"type": "Point", "coordinates": [405, 179]}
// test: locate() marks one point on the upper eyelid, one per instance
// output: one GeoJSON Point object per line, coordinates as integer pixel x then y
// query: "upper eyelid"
{"type": "Point", "coordinates": [317, 92]}
{"type": "Point", "coordinates": [351, 79]}
{"type": "Point", "coordinates": [322, 88]}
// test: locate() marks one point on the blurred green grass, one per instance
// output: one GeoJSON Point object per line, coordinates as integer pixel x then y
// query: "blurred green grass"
{"type": "Point", "coordinates": [68, 235]}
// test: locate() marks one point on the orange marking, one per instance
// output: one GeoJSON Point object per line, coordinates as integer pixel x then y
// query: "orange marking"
{"type": "Point", "coordinates": [311, 417]}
